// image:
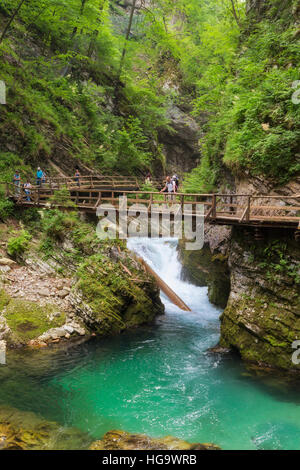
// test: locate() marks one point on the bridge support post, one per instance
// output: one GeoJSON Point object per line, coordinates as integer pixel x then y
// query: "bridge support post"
{"type": "Point", "coordinates": [258, 234]}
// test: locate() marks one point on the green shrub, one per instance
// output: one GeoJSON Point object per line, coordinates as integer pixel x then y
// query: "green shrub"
{"type": "Point", "coordinates": [6, 208]}
{"type": "Point", "coordinates": [57, 224]}
{"type": "Point", "coordinates": [61, 197]}
{"type": "Point", "coordinates": [17, 245]}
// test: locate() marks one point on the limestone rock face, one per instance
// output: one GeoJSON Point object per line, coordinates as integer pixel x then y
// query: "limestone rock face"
{"type": "Point", "coordinates": [262, 317]}
{"type": "Point", "coordinates": [121, 310]}
{"type": "Point", "coordinates": [121, 440]}
{"type": "Point", "coordinates": [209, 266]}
{"type": "Point", "coordinates": [181, 145]}
{"type": "Point", "coordinates": [110, 300]}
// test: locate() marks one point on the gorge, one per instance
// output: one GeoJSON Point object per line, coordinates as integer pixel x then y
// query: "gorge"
{"type": "Point", "coordinates": [93, 355]}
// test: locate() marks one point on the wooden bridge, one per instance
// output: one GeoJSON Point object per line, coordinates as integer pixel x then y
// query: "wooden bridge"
{"type": "Point", "coordinates": [223, 209]}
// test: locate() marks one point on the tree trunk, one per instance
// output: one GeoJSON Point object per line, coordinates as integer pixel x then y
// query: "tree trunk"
{"type": "Point", "coordinates": [235, 13]}
{"type": "Point", "coordinates": [11, 20]}
{"type": "Point", "coordinates": [124, 48]}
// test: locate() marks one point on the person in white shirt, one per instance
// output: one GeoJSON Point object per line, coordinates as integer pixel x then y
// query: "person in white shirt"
{"type": "Point", "coordinates": [27, 188]}
{"type": "Point", "coordinates": [169, 187]}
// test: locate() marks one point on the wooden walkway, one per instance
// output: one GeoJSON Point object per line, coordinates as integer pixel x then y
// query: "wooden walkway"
{"type": "Point", "coordinates": [222, 209]}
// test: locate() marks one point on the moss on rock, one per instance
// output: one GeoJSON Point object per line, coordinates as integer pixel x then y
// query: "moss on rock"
{"type": "Point", "coordinates": [28, 320]}
{"type": "Point", "coordinates": [262, 317]}
{"type": "Point", "coordinates": [21, 430]}
{"type": "Point", "coordinates": [4, 299]}
{"type": "Point", "coordinates": [109, 300]}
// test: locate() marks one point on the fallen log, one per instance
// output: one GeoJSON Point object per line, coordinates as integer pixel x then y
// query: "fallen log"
{"type": "Point", "coordinates": [164, 287]}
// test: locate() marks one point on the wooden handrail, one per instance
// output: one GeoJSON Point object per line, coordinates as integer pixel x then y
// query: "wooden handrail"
{"type": "Point", "coordinates": [241, 208]}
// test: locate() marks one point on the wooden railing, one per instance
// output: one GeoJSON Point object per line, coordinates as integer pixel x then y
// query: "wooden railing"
{"type": "Point", "coordinates": [98, 182]}
{"type": "Point", "coordinates": [227, 209]}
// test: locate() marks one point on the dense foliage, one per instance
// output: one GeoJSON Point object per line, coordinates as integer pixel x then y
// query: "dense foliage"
{"type": "Point", "coordinates": [254, 124]}
{"type": "Point", "coordinates": [61, 66]}
{"type": "Point", "coordinates": [82, 86]}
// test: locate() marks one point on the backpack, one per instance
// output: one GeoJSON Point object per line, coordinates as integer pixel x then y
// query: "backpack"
{"type": "Point", "coordinates": [176, 181]}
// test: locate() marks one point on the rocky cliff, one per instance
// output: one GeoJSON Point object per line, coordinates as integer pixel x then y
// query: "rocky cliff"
{"type": "Point", "coordinates": [181, 141]}
{"type": "Point", "coordinates": [262, 318]}
{"type": "Point", "coordinates": [257, 281]}
{"type": "Point", "coordinates": [209, 266]}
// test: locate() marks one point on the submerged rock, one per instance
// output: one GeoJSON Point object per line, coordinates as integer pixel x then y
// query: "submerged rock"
{"type": "Point", "coordinates": [121, 440]}
{"type": "Point", "coordinates": [20, 430]}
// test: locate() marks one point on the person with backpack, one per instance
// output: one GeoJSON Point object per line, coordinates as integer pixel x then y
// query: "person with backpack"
{"type": "Point", "coordinates": [17, 182]}
{"type": "Point", "coordinates": [169, 187]}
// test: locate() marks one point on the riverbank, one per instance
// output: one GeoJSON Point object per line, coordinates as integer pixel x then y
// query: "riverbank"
{"type": "Point", "coordinates": [58, 281]}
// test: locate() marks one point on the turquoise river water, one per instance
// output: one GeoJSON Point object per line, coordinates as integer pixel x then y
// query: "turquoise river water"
{"type": "Point", "coordinates": [158, 379]}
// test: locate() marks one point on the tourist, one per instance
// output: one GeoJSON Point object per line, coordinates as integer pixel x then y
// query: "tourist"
{"type": "Point", "coordinates": [77, 177]}
{"type": "Point", "coordinates": [176, 181]}
{"type": "Point", "coordinates": [27, 188]}
{"type": "Point", "coordinates": [39, 176]}
{"type": "Point", "coordinates": [148, 178]}
{"type": "Point", "coordinates": [17, 182]}
{"type": "Point", "coordinates": [169, 187]}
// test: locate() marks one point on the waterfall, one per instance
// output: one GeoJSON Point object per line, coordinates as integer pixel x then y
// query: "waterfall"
{"type": "Point", "coordinates": [162, 255]}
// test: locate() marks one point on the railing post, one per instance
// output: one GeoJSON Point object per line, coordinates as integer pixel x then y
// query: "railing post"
{"type": "Point", "coordinates": [231, 208]}
{"type": "Point", "coordinates": [247, 215]}
{"type": "Point", "coordinates": [214, 206]}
